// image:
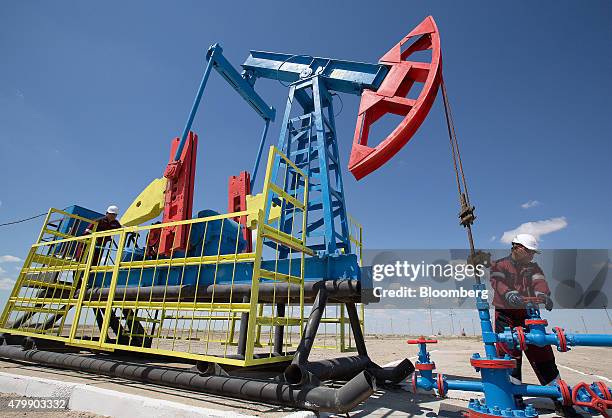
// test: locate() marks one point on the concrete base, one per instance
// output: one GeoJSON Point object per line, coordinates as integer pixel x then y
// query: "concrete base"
{"type": "Point", "coordinates": [88, 398]}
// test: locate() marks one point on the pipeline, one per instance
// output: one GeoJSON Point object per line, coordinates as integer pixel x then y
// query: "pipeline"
{"type": "Point", "coordinates": [339, 290]}
{"type": "Point", "coordinates": [318, 398]}
{"type": "Point", "coordinates": [520, 339]}
{"type": "Point", "coordinates": [344, 368]}
{"type": "Point", "coordinates": [500, 393]}
{"type": "Point", "coordinates": [594, 398]}
{"type": "Point", "coordinates": [392, 374]}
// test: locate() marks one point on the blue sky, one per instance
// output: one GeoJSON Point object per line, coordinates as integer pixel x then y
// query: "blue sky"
{"type": "Point", "coordinates": [92, 93]}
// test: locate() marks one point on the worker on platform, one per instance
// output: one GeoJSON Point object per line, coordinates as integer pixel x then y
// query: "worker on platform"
{"type": "Point", "coordinates": [513, 278]}
{"type": "Point", "coordinates": [106, 223]}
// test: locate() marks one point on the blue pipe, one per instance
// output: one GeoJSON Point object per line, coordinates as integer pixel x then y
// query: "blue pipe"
{"type": "Point", "coordinates": [598, 340]}
{"type": "Point", "coordinates": [259, 151]}
{"type": "Point", "coordinates": [541, 339]}
{"type": "Point", "coordinates": [467, 385]}
{"type": "Point", "coordinates": [196, 104]}
{"type": "Point", "coordinates": [551, 391]}
{"type": "Point", "coordinates": [489, 337]}
{"type": "Point", "coordinates": [548, 391]}
{"type": "Point", "coordinates": [425, 383]}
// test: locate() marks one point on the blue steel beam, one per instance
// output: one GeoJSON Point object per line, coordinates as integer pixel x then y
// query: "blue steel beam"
{"type": "Point", "coordinates": [217, 61]}
{"type": "Point", "coordinates": [341, 76]}
{"type": "Point", "coordinates": [242, 86]}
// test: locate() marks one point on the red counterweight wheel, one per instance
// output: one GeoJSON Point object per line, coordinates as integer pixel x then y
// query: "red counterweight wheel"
{"type": "Point", "coordinates": [391, 98]}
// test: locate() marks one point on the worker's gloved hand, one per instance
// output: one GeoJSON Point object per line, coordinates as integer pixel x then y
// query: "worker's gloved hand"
{"type": "Point", "coordinates": [514, 299]}
{"type": "Point", "coordinates": [548, 303]}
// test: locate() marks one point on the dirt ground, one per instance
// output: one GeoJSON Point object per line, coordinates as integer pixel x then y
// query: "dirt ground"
{"type": "Point", "coordinates": [451, 356]}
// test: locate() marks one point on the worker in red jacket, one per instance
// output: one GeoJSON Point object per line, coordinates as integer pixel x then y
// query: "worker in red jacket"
{"type": "Point", "coordinates": [513, 278]}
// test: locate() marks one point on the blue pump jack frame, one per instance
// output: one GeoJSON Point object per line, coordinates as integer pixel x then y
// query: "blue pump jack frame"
{"type": "Point", "coordinates": [245, 89]}
{"type": "Point", "coordinates": [495, 383]}
{"type": "Point", "coordinates": [310, 139]}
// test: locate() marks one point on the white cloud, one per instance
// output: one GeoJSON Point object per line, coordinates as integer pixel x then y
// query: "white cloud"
{"type": "Point", "coordinates": [9, 259]}
{"type": "Point", "coordinates": [535, 228]}
{"type": "Point", "coordinates": [2, 270]}
{"type": "Point", "coordinates": [493, 238]}
{"type": "Point", "coordinates": [7, 284]}
{"type": "Point", "coordinates": [530, 204]}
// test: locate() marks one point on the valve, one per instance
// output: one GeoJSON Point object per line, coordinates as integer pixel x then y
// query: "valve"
{"type": "Point", "coordinates": [423, 363]}
{"type": "Point", "coordinates": [595, 402]}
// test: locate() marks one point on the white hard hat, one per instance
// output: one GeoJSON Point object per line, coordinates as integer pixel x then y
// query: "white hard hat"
{"type": "Point", "coordinates": [527, 240]}
{"type": "Point", "coordinates": [112, 209]}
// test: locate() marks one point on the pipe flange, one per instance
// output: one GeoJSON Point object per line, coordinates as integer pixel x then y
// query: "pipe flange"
{"type": "Point", "coordinates": [440, 384]}
{"type": "Point", "coordinates": [493, 363]}
{"type": "Point", "coordinates": [562, 347]}
{"type": "Point", "coordinates": [536, 322]}
{"type": "Point", "coordinates": [566, 396]}
{"type": "Point", "coordinates": [414, 383]}
{"type": "Point", "coordinates": [520, 336]}
{"type": "Point", "coordinates": [425, 366]}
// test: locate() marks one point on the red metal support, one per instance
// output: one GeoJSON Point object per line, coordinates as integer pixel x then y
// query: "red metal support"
{"type": "Point", "coordinates": [239, 188]}
{"type": "Point", "coordinates": [391, 97]}
{"type": "Point", "coordinates": [179, 195]}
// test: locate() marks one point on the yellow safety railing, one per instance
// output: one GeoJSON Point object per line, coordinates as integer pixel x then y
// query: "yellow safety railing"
{"type": "Point", "coordinates": [104, 291]}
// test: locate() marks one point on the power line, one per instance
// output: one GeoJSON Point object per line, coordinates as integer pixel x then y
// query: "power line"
{"type": "Point", "coordinates": [23, 220]}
